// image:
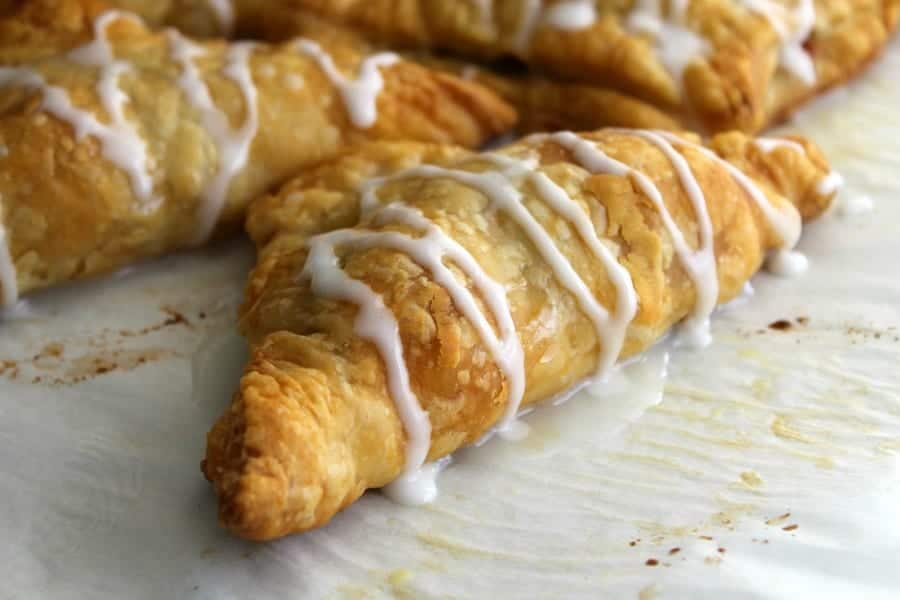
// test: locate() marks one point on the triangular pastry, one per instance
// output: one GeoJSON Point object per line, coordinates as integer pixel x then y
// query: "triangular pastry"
{"type": "Point", "coordinates": [408, 298]}
{"type": "Point", "coordinates": [714, 64]}
{"type": "Point", "coordinates": [118, 143]}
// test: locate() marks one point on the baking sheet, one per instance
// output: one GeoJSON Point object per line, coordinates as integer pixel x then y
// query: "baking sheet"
{"type": "Point", "coordinates": [764, 466]}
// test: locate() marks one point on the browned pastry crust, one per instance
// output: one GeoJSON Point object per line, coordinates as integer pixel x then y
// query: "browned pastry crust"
{"type": "Point", "coordinates": [70, 213]}
{"type": "Point", "coordinates": [738, 85]}
{"type": "Point", "coordinates": [546, 104]}
{"type": "Point", "coordinates": [197, 18]}
{"type": "Point", "coordinates": [313, 424]}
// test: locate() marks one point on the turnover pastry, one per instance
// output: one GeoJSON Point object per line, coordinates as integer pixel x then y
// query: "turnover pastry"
{"type": "Point", "coordinates": [119, 143]}
{"type": "Point", "coordinates": [408, 298]}
{"type": "Point", "coordinates": [718, 64]}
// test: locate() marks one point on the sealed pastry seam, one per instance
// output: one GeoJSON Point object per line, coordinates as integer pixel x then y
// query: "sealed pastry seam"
{"type": "Point", "coordinates": [381, 335]}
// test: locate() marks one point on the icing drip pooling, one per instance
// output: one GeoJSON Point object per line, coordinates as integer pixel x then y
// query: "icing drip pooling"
{"type": "Point", "coordinates": [429, 246]}
{"type": "Point", "coordinates": [122, 144]}
{"type": "Point", "coordinates": [360, 94]}
{"type": "Point", "coordinates": [233, 145]}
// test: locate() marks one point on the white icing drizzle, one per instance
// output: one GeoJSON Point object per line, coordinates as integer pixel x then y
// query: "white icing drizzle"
{"type": "Point", "coordinates": [768, 145]}
{"type": "Point", "coordinates": [429, 251]}
{"type": "Point", "coordinates": [8, 278]}
{"type": "Point", "coordinates": [786, 222]}
{"type": "Point", "coordinates": [568, 15]}
{"type": "Point", "coordinates": [528, 21]}
{"type": "Point", "coordinates": [232, 145]}
{"type": "Point", "coordinates": [376, 323]}
{"type": "Point", "coordinates": [571, 15]}
{"type": "Point", "coordinates": [675, 44]}
{"type": "Point", "coordinates": [223, 10]}
{"type": "Point", "coordinates": [360, 95]}
{"type": "Point", "coordinates": [830, 184]}
{"type": "Point", "coordinates": [503, 195]}
{"type": "Point", "coordinates": [700, 266]}
{"type": "Point", "coordinates": [485, 10]}
{"type": "Point", "coordinates": [793, 27]}
{"type": "Point", "coordinates": [121, 142]}
{"type": "Point", "coordinates": [612, 328]}
{"type": "Point", "coordinates": [431, 246]}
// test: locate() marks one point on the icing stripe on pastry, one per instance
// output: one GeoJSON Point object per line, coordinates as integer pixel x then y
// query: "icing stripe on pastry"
{"type": "Point", "coordinates": [8, 278]}
{"type": "Point", "coordinates": [429, 250]}
{"type": "Point", "coordinates": [771, 144]}
{"type": "Point", "coordinates": [500, 186]}
{"type": "Point", "coordinates": [122, 143]}
{"type": "Point", "coordinates": [528, 20]}
{"type": "Point", "coordinates": [376, 323]}
{"type": "Point", "coordinates": [232, 145]}
{"type": "Point", "coordinates": [826, 186]}
{"type": "Point", "coordinates": [786, 262]}
{"type": "Point", "coordinates": [569, 15]}
{"type": "Point", "coordinates": [613, 331]}
{"type": "Point", "coordinates": [223, 10]}
{"type": "Point", "coordinates": [360, 95]}
{"type": "Point", "coordinates": [793, 27]}
{"type": "Point", "coordinates": [675, 44]}
{"type": "Point", "coordinates": [119, 144]}
{"type": "Point", "coordinates": [700, 266]}
{"type": "Point", "coordinates": [787, 223]}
